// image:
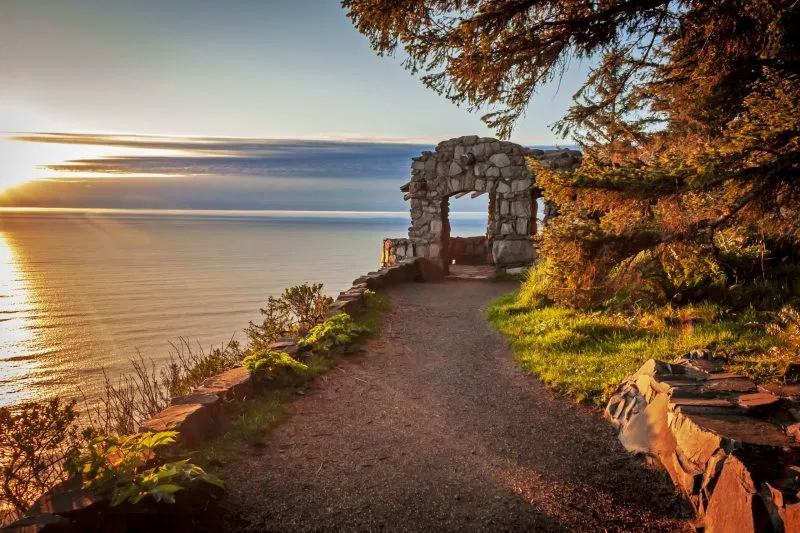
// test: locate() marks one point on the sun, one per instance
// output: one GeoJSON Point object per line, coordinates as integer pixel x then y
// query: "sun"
{"type": "Point", "coordinates": [20, 163]}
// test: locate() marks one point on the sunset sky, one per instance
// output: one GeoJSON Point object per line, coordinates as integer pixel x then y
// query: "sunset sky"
{"type": "Point", "coordinates": [239, 71]}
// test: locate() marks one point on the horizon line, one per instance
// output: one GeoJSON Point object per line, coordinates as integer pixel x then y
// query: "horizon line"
{"type": "Point", "coordinates": [214, 212]}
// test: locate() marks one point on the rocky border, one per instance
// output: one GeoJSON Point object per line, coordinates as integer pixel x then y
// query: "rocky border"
{"type": "Point", "coordinates": [731, 447]}
{"type": "Point", "coordinates": [198, 415]}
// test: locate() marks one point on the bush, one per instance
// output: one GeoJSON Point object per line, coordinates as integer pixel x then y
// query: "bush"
{"type": "Point", "coordinates": [272, 362]}
{"type": "Point", "coordinates": [121, 468]}
{"type": "Point", "coordinates": [189, 367]}
{"type": "Point", "coordinates": [298, 309]}
{"type": "Point", "coordinates": [337, 331]}
{"type": "Point", "coordinates": [35, 440]}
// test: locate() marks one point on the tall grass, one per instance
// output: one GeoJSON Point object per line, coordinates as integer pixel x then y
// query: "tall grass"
{"type": "Point", "coordinates": [132, 398]}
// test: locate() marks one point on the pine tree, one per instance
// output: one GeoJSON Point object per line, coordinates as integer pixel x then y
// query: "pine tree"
{"type": "Point", "coordinates": [689, 121]}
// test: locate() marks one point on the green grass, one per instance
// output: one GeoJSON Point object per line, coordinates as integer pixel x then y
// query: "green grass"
{"type": "Point", "coordinates": [249, 420]}
{"type": "Point", "coordinates": [587, 354]}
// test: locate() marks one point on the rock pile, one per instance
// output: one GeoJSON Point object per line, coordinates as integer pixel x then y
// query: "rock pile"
{"type": "Point", "coordinates": [730, 446]}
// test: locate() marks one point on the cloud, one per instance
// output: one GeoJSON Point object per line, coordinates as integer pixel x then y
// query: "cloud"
{"type": "Point", "coordinates": [221, 173]}
{"type": "Point", "coordinates": [217, 156]}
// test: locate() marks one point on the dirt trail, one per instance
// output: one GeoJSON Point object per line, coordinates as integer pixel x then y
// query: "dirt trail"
{"type": "Point", "coordinates": [434, 428]}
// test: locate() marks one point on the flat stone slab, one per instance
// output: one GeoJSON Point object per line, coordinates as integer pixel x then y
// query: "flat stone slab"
{"type": "Point", "coordinates": [782, 391]}
{"type": "Point", "coordinates": [701, 402]}
{"type": "Point", "coordinates": [744, 429]}
{"type": "Point", "coordinates": [730, 385]}
{"type": "Point", "coordinates": [201, 398]}
{"type": "Point", "coordinates": [472, 272]}
{"type": "Point", "coordinates": [725, 375]}
{"type": "Point", "coordinates": [64, 498]}
{"type": "Point", "coordinates": [194, 421]}
{"type": "Point", "coordinates": [287, 346]}
{"type": "Point", "coordinates": [227, 384]}
{"type": "Point", "coordinates": [757, 399]}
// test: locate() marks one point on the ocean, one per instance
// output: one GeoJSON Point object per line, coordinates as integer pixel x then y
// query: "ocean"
{"type": "Point", "coordinates": [85, 291]}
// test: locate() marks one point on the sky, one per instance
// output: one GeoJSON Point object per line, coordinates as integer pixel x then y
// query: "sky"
{"type": "Point", "coordinates": [264, 78]}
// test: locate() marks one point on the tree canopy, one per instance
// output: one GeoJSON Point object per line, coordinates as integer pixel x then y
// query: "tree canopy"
{"type": "Point", "coordinates": [689, 124]}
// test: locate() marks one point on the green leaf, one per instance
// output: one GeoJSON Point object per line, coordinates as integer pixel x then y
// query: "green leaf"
{"type": "Point", "coordinates": [168, 487]}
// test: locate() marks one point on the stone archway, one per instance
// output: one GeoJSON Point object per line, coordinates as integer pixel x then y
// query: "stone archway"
{"type": "Point", "coordinates": [477, 165]}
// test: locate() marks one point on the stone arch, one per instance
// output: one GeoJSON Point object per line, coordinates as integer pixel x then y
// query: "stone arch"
{"type": "Point", "coordinates": [478, 165]}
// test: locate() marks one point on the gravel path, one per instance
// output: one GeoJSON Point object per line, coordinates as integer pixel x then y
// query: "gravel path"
{"type": "Point", "coordinates": [434, 428]}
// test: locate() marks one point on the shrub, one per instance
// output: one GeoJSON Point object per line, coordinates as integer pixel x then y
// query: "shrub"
{"type": "Point", "coordinates": [120, 468]}
{"type": "Point", "coordinates": [339, 330]}
{"type": "Point", "coordinates": [189, 367]}
{"type": "Point", "coordinates": [272, 362]}
{"type": "Point", "coordinates": [297, 309]}
{"type": "Point", "coordinates": [35, 440]}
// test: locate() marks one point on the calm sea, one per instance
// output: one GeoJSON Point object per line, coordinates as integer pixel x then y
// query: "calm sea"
{"type": "Point", "coordinates": [83, 291]}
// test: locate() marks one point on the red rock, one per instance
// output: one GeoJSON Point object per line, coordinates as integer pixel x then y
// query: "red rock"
{"type": "Point", "coordinates": [757, 399]}
{"type": "Point", "coordinates": [735, 506]}
{"type": "Point", "coordinates": [782, 391]}
{"type": "Point", "coordinates": [791, 518]}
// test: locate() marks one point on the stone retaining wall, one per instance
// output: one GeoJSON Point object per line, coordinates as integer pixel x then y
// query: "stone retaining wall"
{"type": "Point", "coordinates": [730, 446]}
{"type": "Point", "coordinates": [198, 415]}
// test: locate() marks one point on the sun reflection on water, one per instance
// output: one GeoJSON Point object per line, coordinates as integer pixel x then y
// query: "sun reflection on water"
{"type": "Point", "coordinates": [18, 364]}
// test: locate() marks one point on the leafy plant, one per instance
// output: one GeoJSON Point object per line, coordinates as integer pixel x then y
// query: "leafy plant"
{"type": "Point", "coordinates": [272, 362]}
{"type": "Point", "coordinates": [120, 468]}
{"type": "Point", "coordinates": [299, 308]}
{"type": "Point", "coordinates": [338, 330]}
{"type": "Point", "coordinates": [35, 440]}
